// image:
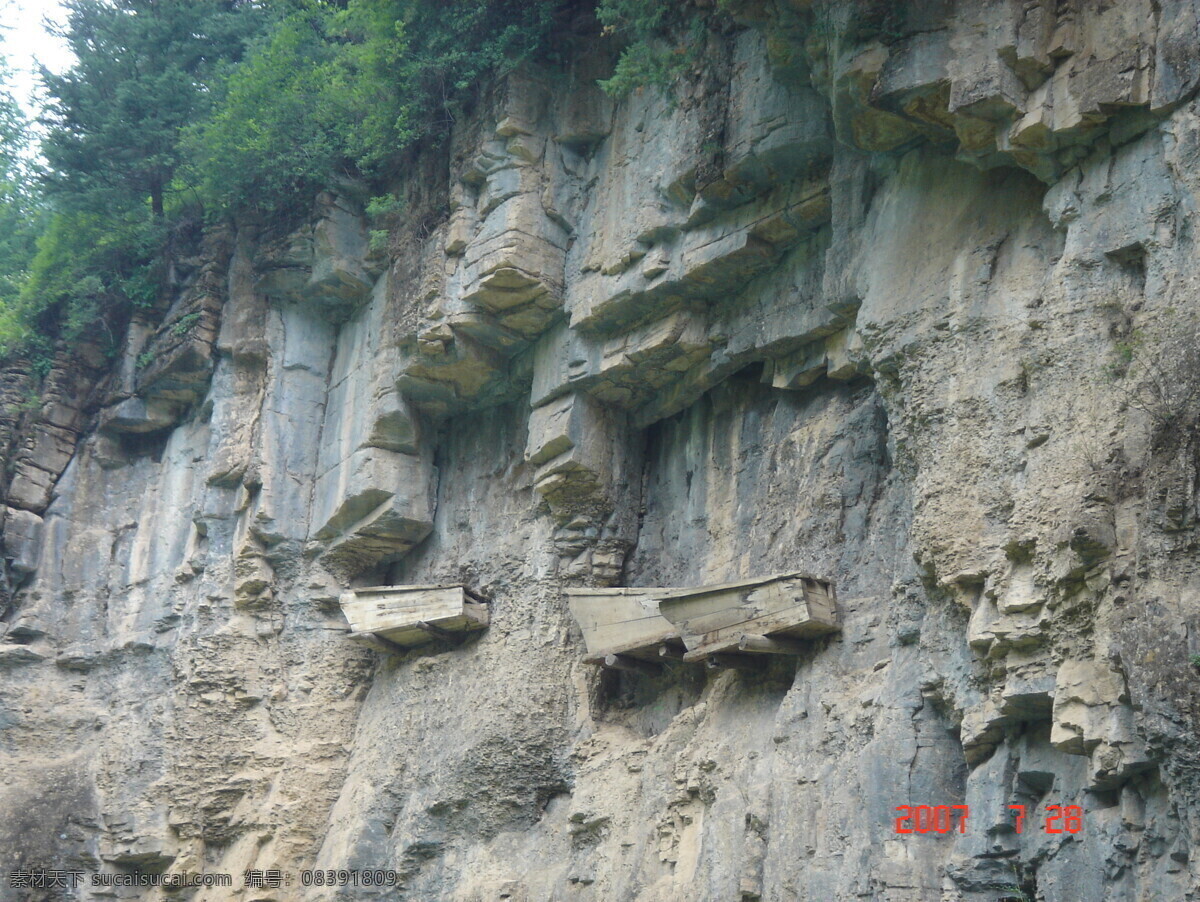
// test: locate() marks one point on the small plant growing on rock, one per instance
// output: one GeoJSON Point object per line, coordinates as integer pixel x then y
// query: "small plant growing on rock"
{"type": "Point", "coordinates": [1194, 660]}
{"type": "Point", "coordinates": [1124, 353]}
{"type": "Point", "coordinates": [1165, 376]}
{"type": "Point", "coordinates": [185, 323]}
{"type": "Point", "coordinates": [29, 403]}
{"type": "Point", "coordinates": [384, 214]}
{"type": "Point", "coordinates": [663, 41]}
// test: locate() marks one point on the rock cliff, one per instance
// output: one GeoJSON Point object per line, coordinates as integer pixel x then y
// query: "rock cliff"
{"type": "Point", "coordinates": [901, 295]}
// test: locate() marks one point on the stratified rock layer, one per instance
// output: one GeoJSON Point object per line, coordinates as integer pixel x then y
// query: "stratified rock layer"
{"type": "Point", "coordinates": [876, 296]}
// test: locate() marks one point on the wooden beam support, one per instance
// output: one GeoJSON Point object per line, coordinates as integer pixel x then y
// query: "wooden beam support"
{"type": "Point", "coordinates": [411, 615]}
{"type": "Point", "coordinates": [767, 646]}
{"type": "Point", "coordinates": [378, 643]}
{"type": "Point", "coordinates": [733, 662]}
{"type": "Point", "coordinates": [478, 597]}
{"type": "Point", "coordinates": [631, 665]}
{"type": "Point", "coordinates": [670, 652]}
{"type": "Point", "coordinates": [438, 633]}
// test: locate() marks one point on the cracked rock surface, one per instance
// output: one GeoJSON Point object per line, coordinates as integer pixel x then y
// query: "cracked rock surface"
{"type": "Point", "coordinates": [901, 295]}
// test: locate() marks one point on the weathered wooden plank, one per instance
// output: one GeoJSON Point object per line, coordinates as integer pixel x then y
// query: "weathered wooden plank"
{"type": "Point", "coordinates": [384, 621]}
{"type": "Point", "coordinates": [821, 600]}
{"type": "Point", "coordinates": [809, 629]}
{"type": "Point", "coordinates": [478, 612]}
{"type": "Point", "coordinates": [619, 621]}
{"type": "Point", "coordinates": [631, 665]}
{"type": "Point", "coordinates": [700, 604]}
{"type": "Point", "coordinates": [744, 584]}
{"type": "Point", "coordinates": [797, 621]}
{"type": "Point", "coordinates": [402, 607]}
{"type": "Point", "coordinates": [714, 619]}
{"type": "Point", "coordinates": [393, 590]}
{"type": "Point", "coordinates": [593, 610]}
{"type": "Point", "coordinates": [408, 638]}
{"type": "Point", "coordinates": [698, 626]}
{"type": "Point", "coordinates": [765, 646]}
{"type": "Point", "coordinates": [413, 615]}
{"type": "Point", "coordinates": [400, 601]}
{"type": "Point", "coordinates": [449, 628]}
{"type": "Point", "coordinates": [426, 600]}
{"type": "Point", "coordinates": [647, 623]}
{"type": "Point", "coordinates": [606, 615]}
{"type": "Point", "coordinates": [793, 623]}
{"type": "Point", "coordinates": [598, 591]}
{"type": "Point", "coordinates": [437, 632]}
{"type": "Point", "coordinates": [732, 662]}
{"type": "Point", "coordinates": [766, 596]}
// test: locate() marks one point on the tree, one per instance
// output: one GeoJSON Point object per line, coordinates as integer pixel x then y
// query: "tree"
{"type": "Point", "coordinates": [21, 216]}
{"type": "Point", "coordinates": [275, 126]}
{"type": "Point", "coordinates": [342, 88]}
{"type": "Point", "coordinates": [144, 69]}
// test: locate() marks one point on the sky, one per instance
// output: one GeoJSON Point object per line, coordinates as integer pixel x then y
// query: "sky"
{"type": "Point", "coordinates": [26, 43]}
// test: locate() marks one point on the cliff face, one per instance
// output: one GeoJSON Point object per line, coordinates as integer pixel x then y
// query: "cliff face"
{"type": "Point", "coordinates": [902, 297]}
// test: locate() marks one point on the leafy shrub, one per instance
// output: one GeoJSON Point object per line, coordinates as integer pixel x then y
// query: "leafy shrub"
{"type": "Point", "coordinates": [343, 91]}
{"type": "Point", "coordinates": [143, 70]}
{"type": "Point", "coordinates": [233, 104]}
{"type": "Point", "coordinates": [664, 40]}
{"type": "Point", "coordinates": [88, 265]}
{"type": "Point", "coordinates": [384, 213]}
{"type": "Point", "coordinates": [185, 323]}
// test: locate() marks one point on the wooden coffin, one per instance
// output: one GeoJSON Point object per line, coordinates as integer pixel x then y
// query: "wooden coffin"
{"type": "Point", "coordinates": [412, 615]}
{"type": "Point", "coordinates": [623, 623]}
{"type": "Point", "coordinates": [755, 616]}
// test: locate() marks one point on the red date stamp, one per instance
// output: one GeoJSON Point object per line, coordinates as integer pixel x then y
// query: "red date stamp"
{"type": "Point", "coordinates": [946, 818]}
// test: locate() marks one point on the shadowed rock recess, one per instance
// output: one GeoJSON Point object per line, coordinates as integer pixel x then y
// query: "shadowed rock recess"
{"type": "Point", "coordinates": [875, 296]}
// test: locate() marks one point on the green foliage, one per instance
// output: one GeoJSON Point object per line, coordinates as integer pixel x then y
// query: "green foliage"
{"type": "Point", "coordinates": [385, 207]}
{"type": "Point", "coordinates": [1195, 660]}
{"type": "Point", "coordinates": [86, 239]}
{"type": "Point", "coordinates": [663, 41]}
{"type": "Point", "coordinates": [86, 264]}
{"type": "Point", "coordinates": [1124, 353]}
{"type": "Point", "coordinates": [384, 213]}
{"type": "Point", "coordinates": [144, 69]}
{"type": "Point", "coordinates": [342, 89]}
{"type": "Point", "coordinates": [31, 402]}
{"type": "Point", "coordinates": [21, 216]}
{"type": "Point", "coordinates": [230, 104]}
{"type": "Point", "coordinates": [145, 359]}
{"type": "Point", "coordinates": [185, 323]}
{"type": "Point", "coordinates": [275, 127]}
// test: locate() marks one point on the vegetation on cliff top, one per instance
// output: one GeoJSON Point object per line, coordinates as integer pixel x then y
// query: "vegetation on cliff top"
{"type": "Point", "coordinates": [179, 112]}
{"type": "Point", "coordinates": [662, 41]}
{"type": "Point", "coordinates": [343, 91]}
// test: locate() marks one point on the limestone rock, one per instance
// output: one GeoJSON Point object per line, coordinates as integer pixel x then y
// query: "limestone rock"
{"type": "Point", "coordinates": [901, 295]}
{"type": "Point", "coordinates": [374, 505]}
{"type": "Point", "coordinates": [327, 264]}
{"type": "Point", "coordinates": [22, 539]}
{"type": "Point", "coordinates": [136, 415]}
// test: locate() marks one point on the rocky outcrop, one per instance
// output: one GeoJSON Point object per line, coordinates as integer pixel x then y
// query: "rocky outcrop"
{"type": "Point", "coordinates": [895, 294]}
